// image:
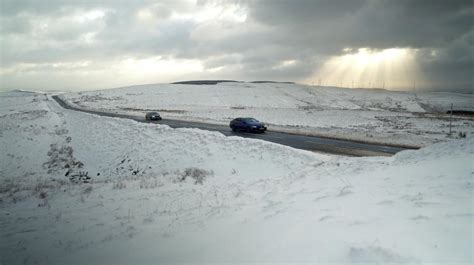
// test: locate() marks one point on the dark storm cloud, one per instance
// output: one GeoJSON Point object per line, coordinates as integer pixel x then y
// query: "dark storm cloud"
{"type": "Point", "coordinates": [452, 66]}
{"type": "Point", "coordinates": [327, 27]}
{"type": "Point", "coordinates": [361, 23]}
{"type": "Point", "coordinates": [281, 40]}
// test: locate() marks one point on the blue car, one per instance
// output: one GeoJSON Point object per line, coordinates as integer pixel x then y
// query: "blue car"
{"type": "Point", "coordinates": [248, 125]}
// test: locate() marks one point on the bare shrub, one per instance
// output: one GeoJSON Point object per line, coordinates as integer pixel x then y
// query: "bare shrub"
{"type": "Point", "coordinates": [9, 185]}
{"type": "Point", "coordinates": [150, 183]}
{"type": "Point", "coordinates": [43, 185]}
{"type": "Point", "coordinates": [87, 190]}
{"type": "Point", "coordinates": [119, 185]}
{"type": "Point", "coordinates": [61, 157]}
{"type": "Point", "coordinates": [80, 177]}
{"type": "Point", "coordinates": [43, 195]}
{"type": "Point", "coordinates": [197, 174]}
{"type": "Point", "coordinates": [13, 190]}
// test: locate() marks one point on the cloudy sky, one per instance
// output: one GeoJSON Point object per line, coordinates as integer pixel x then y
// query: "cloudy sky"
{"type": "Point", "coordinates": [75, 45]}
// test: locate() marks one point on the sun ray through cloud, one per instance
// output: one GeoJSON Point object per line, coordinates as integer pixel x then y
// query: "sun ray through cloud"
{"type": "Point", "coordinates": [394, 68]}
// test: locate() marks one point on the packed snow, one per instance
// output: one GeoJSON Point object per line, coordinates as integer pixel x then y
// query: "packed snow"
{"type": "Point", "coordinates": [376, 116]}
{"type": "Point", "coordinates": [76, 188]}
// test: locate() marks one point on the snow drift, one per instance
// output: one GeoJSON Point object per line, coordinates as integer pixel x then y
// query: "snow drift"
{"type": "Point", "coordinates": [148, 194]}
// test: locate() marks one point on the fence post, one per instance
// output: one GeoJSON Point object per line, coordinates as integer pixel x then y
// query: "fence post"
{"type": "Point", "coordinates": [450, 119]}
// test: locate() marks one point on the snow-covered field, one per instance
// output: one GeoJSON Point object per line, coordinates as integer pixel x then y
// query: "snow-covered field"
{"type": "Point", "coordinates": [379, 116]}
{"type": "Point", "coordinates": [82, 189]}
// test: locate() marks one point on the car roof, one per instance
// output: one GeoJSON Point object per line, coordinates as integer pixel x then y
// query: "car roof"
{"type": "Point", "coordinates": [245, 119]}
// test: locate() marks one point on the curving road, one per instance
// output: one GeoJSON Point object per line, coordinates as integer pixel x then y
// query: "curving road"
{"type": "Point", "coordinates": [311, 143]}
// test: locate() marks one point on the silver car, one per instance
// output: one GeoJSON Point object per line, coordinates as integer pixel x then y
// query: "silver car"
{"type": "Point", "coordinates": [152, 116]}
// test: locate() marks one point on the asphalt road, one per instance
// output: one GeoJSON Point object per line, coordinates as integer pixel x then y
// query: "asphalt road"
{"type": "Point", "coordinates": [311, 143]}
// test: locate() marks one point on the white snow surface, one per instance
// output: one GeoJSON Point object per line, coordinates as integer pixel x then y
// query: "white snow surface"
{"type": "Point", "coordinates": [378, 116]}
{"type": "Point", "coordinates": [158, 195]}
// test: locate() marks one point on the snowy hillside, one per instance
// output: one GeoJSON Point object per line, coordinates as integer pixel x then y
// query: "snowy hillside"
{"type": "Point", "coordinates": [366, 115]}
{"type": "Point", "coordinates": [82, 189]}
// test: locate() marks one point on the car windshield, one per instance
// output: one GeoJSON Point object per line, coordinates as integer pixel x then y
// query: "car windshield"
{"type": "Point", "coordinates": [153, 113]}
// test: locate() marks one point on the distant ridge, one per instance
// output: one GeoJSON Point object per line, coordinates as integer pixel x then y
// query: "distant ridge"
{"type": "Point", "coordinates": [214, 82]}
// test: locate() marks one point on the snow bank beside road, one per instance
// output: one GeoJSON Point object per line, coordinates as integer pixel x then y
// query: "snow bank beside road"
{"type": "Point", "coordinates": [403, 118]}
{"type": "Point", "coordinates": [162, 195]}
